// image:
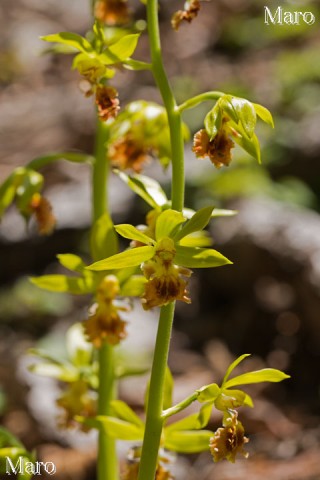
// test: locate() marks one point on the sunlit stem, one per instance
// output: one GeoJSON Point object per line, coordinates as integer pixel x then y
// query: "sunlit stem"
{"type": "Point", "coordinates": [154, 420]}
{"type": "Point", "coordinates": [107, 457]}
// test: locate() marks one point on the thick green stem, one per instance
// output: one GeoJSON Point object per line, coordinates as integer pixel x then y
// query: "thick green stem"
{"type": "Point", "coordinates": [107, 457]}
{"type": "Point", "coordinates": [154, 421]}
{"type": "Point", "coordinates": [100, 174]}
{"type": "Point", "coordinates": [174, 116]}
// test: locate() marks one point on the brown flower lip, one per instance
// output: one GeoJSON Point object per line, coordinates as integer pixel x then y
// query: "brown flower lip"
{"type": "Point", "coordinates": [104, 324]}
{"type": "Point", "coordinates": [218, 149]}
{"type": "Point", "coordinates": [107, 102]}
{"type": "Point", "coordinates": [229, 440]}
{"type": "Point", "coordinates": [126, 153]}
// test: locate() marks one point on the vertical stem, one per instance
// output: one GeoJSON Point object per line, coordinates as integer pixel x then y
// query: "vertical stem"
{"type": "Point", "coordinates": [100, 174]}
{"type": "Point", "coordinates": [154, 420]}
{"type": "Point", "coordinates": [174, 116]}
{"type": "Point", "coordinates": [107, 457]}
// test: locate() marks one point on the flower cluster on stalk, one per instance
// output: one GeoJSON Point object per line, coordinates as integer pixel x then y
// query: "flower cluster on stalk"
{"type": "Point", "coordinates": [231, 121]}
{"type": "Point", "coordinates": [104, 323]}
{"type": "Point", "coordinates": [166, 257]}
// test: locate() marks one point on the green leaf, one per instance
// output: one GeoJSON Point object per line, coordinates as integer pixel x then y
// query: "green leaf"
{"type": "Point", "coordinates": [122, 411]}
{"type": "Point", "coordinates": [208, 393]}
{"type": "Point", "coordinates": [193, 257]}
{"type": "Point", "coordinates": [70, 39]}
{"type": "Point", "coordinates": [73, 157]}
{"type": "Point", "coordinates": [8, 439]}
{"type": "Point", "coordinates": [258, 376]}
{"type": "Point", "coordinates": [62, 283]}
{"type": "Point", "coordinates": [167, 223]}
{"type": "Point", "coordinates": [264, 114]}
{"type": "Point", "coordinates": [245, 114]}
{"type": "Point", "coordinates": [120, 50]}
{"type": "Point", "coordinates": [168, 389]}
{"type": "Point", "coordinates": [197, 239]}
{"type": "Point", "coordinates": [250, 145]}
{"type": "Point", "coordinates": [71, 262]}
{"type": "Point", "coordinates": [188, 441]}
{"type": "Point", "coordinates": [196, 223]}
{"type": "Point", "coordinates": [115, 427]}
{"type": "Point", "coordinates": [60, 372]}
{"type": "Point", "coordinates": [213, 121]}
{"type": "Point", "coordinates": [7, 193]}
{"type": "Point", "coordinates": [147, 188]}
{"type": "Point", "coordinates": [103, 238]}
{"type": "Point", "coordinates": [195, 421]}
{"type": "Point", "coordinates": [134, 286]}
{"type": "Point", "coordinates": [233, 365]}
{"type": "Point", "coordinates": [131, 232]}
{"type": "Point", "coordinates": [128, 258]}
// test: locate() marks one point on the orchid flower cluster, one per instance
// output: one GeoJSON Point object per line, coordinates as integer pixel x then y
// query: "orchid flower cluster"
{"type": "Point", "coordinates": [160, 256]}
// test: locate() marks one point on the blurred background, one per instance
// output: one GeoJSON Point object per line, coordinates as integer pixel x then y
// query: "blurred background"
{"type": "Point", "coordinates": [267, 303]}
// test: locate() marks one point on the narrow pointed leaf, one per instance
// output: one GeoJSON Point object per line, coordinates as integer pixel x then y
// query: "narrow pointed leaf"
{"type": "Point", "coordinates": [264, 114]}
{"type": "Point", "coordinates": [62, 283]}
{"type": "Point", "coordinates": [196, 223]}
{"type": "Point", "coordinates": [195, 421]}
{"type": "Point", "coordinates": [168, 389]}
{"type": "Point", "coordinates": [246, 114]}
{"type": "Point", "coordinates": [122, 411]}
{"type": "Point", "coordinates": [120, 50]}
{"type": "Point", "coordinates": [250, 145]}
{"type": "Point", "coordinates": [258, 376]}
{"type": "Point", "coordinates": [188, 441]}
{"type": "Point", "coordinates": [115, 427]}
{"type": "Point", "coordinates": [167, 223]}
{"type": "Point", "coordinates": [194, 257]}
{"type": "Point", "coordinates": [74, 157]}
{"type": "Point", "coordinates": [71, 262]}
{"type": "Point", "coordinates": [197, 239]}
{"type": "Point", "coordinates": [147, 188]}
{"type": "Point", "coordinates": [59, 372]}
{"type": "Point", "coordinates": [128, 258]}
{"type": "Point", "coordinates": [131, 232]}
{"type": "Point", "coordinates": [233, 365]}
{"type": "Point", "coordinates": [70, 39]}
